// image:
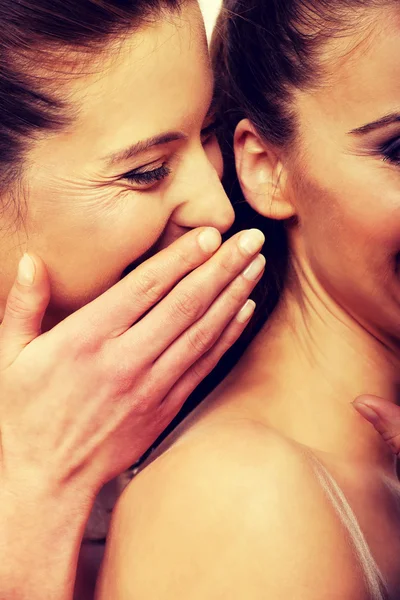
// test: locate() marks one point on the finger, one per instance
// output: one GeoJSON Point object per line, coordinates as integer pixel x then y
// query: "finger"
{"type": "Point", "coordinates": [192, 297]}
{"type": "Point", "coordinates": [203, 367]}
{"type": "Point", "coordinates": [204, 334]}
{"type": "Point", "coordinates": [384, 416]}
{"type": "Point", "coordinates": [118, 308]}
{"type": "Point", "coordinates": [25, 308]}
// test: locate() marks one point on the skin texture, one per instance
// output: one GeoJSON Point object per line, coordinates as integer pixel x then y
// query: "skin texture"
{"type": "Point", "coordinates": [82, 218]}
{"type": "Point", "coordinates": [111, 376]}
{"type": "Point", "coordinates": [242, 508]}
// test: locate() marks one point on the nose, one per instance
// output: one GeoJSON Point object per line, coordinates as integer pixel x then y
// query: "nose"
{"type": "Point", "coordinates": [202, 199]}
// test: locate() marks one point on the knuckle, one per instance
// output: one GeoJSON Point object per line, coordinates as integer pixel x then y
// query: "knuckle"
{"type": "Point", "coordinates": [200, 340]}
{"type": "Point", "coordinates": [393, 440]}
{"type": "Point", "coordinates": [123, 383]}
{"type": "Point", "coordinates": [197, 374]}
{"type": "Point", "coordinates": [186, 260]}
{"type": "Point", "coordinates": [142, 391]}
{"type": "Point", "coordinates": [236, 293]}
{"type": "Point", "coordinates": [123, 376]}
{"type": "Point", "coordinates": [148, 286]}
{"type": "Point", "coordinates": [229, 264]}
{"type": "Point", "coordinates": [140, 405]}
{"type": "Point", "coordinates": [203, 368]}
{"type": "Point", "coordinates": [78, 341]}
{"type": "Point", "coordinates": [17, 307]}
{"type": "Point", "coordinates": [188, 305]}
{"type": "Point", "coordinates": [229, 339]}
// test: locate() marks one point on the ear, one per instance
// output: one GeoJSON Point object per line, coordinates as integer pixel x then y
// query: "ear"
{"type": "Point", "coordinates": [261, 174]}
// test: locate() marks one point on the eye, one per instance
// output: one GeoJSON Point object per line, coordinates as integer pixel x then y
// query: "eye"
{"type": "Point", "coordinates": [208, 132]}
{"type": "Point", "coordinates": [147, 176]}
{"type": "Point", "coordinates": [391, 151]}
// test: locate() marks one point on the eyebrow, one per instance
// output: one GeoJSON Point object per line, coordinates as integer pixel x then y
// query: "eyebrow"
{"type": "Point", "coordinates": [134, 149]}
{"type": "Point", "coordinates": [388, 120]}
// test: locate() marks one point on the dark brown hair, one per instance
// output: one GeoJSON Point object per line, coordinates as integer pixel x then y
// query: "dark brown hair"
{"type": "Point", "coordinates": [262, 51]}
{"type": "Point", "coordinates": [37, 37]}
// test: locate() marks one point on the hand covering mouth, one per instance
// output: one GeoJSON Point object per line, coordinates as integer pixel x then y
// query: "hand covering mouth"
{"type": "Point", "coordinates": [167, 237]}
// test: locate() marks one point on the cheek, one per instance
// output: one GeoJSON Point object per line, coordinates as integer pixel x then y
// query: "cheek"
{"type": "Point", "coordinates": [86, 246]}
{"type": "Point", "coordinates": [349, 228]}
{"type": "Point", "coordinates": [348, 233]}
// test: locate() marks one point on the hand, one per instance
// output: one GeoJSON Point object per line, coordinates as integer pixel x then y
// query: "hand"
{"type": "Point", "coordinates": [384, 416]}
{"type": "Point", "coordinates": [82, 402]}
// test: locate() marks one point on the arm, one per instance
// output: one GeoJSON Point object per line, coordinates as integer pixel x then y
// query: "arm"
{"type": "Point", "coordinates": [80, 403]}
{"type": "Point", "coordinates": [39, 543]}
{"type": "Point", "coordinates": [228, 520]}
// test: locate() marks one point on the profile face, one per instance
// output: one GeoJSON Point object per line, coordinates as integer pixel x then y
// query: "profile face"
{"type": "Point", "coordinates": [343, 175]}
{"type": "Point", "coordinates": [139, 165]}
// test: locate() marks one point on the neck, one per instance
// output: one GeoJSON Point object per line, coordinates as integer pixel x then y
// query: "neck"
{"type": "Point", "coordinates": [307, 366]}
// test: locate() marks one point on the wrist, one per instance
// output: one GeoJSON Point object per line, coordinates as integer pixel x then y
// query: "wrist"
{"type": "Point", "coordinates": [44, 507]}
{"type": "Point", "coordinates": [40, 536]}
{"type": "Point", "coordinates": [31, 491]}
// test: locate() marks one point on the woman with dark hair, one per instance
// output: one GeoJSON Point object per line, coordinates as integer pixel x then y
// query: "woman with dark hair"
{"type": "Point", "coordinates": [275, 487]}
{"type": "Point", "coordinates": [107, 156]}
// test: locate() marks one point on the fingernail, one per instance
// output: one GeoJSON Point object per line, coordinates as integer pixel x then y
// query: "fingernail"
{"type": "Point", "coordinates": [246, 312]}
{"type": "Point", "coordinates": [255, 268]}
{"type": "Point", "coordinates": [367, 412]}
{"type": "Point", "coordinates": [251, 241]}
{"type": "Point", "coordinates": [26, 270]}
{"type": "Point", "coordinates": [209, 240]}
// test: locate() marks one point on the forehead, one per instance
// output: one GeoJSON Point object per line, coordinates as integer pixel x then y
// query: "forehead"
{"type": "Point", "coordinates": [157, 79]}
{"type": "Point", "coordinates": [363, 75]}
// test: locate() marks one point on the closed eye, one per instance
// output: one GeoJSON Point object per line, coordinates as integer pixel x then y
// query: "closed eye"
{"type": "Point", "coordinates": [391, 151]}
{"type": "Point", "coordinates": [146, 176]}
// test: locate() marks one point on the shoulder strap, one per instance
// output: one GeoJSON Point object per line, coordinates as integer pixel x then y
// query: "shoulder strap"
{"type": "Point", "coordinates": [373, 576]}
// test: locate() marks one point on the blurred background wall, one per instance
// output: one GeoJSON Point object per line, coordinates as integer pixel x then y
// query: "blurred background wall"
{"type": "Point", "coordinates": [210, 10]}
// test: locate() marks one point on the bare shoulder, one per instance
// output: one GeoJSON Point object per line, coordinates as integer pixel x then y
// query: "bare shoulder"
{"type": "Point", "coordinates": [232, 512]}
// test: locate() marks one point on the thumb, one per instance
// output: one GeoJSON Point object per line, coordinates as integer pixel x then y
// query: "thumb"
{"type": "Point", "coordinates": [26, 304]}
{"type": "Point", "coordinates": [384, 416]}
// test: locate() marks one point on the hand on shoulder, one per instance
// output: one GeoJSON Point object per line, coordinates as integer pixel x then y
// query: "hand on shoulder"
{"type": "Point", "coordinates": [233, 512]}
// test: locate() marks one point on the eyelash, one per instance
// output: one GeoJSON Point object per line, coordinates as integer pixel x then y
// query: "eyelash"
{"type": "Point", "coordinates": [391, 152]}
{"type": "Point", "coordinates": [148, 177]}
{"type": "Point", "coordinates": [153, 176]}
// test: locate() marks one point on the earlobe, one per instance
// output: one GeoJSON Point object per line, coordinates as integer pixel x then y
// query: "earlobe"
{"type": "Point", "coordinates": [261, 174]}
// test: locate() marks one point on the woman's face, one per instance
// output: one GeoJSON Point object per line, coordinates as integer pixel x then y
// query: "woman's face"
{"type": "Point", "coordinates": [139, 166]}
{"type": "Point", "coordinates": [345, 177]}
